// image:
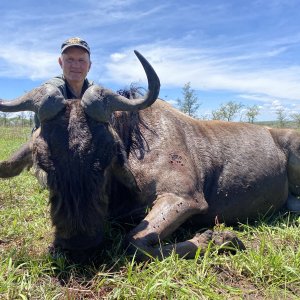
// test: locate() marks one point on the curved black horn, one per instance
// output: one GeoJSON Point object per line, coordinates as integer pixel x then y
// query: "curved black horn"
{"type": "Point", "coordinates": [45, 100]}
{"type": "Point", "coordinates": [99, 103]}
{"type": "Point", "coordinates": [26, 102]}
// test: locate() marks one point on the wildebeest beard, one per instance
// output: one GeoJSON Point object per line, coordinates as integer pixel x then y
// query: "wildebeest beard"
{"type": "Point", "coordinates": [77, 154]}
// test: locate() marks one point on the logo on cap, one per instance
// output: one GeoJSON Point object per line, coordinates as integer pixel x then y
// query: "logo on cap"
{"type": "Point", "coordinates": [74, 40]}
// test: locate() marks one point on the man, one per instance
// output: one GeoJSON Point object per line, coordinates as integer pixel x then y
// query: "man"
{"type": "Point", "coordinates": [75, 62]}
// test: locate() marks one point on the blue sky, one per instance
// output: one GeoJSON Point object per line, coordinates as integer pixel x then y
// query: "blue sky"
{"type": "Point", "coordinates": [239, 50]}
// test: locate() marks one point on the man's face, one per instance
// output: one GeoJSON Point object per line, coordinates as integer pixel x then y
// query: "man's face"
{"type": "Point", "coordinates": [75, 63]}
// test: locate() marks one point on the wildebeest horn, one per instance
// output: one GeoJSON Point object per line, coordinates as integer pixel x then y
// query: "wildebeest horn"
{"type": "Point", "coordinates": [99, 103]}
{"type": "Point", "coordinates": [45, 100]}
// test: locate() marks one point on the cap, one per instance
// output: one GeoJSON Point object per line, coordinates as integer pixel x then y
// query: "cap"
{"type": "Point", "coordinates": [75, 42]}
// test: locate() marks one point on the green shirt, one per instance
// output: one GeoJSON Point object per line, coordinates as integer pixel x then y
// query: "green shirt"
{"type": "Point", "coordinates": [62, 85]}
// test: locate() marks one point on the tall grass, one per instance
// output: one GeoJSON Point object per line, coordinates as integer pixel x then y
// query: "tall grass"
{"type": "Point", "coordinates": [268, 269]}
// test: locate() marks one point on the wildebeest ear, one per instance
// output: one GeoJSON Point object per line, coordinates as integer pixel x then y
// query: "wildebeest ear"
{"type": "Point", "coordinates": [124, 175]}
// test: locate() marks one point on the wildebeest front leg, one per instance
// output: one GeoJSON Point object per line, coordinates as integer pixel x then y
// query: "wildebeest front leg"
{"type": "Point", "coordinates": [167, 214]}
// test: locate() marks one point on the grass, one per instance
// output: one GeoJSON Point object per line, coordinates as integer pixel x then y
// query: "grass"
{"type": "Point", "coordinates": [268, 269]}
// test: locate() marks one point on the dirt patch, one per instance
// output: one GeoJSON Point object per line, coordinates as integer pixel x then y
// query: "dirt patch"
{"type": "Point", "coordinates": [234, 280]}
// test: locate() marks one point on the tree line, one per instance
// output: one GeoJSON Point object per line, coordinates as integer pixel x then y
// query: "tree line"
{"type": "Point", "coordinates": [229, 111]}
{"type": "Point", "coordinates": [22, 119]}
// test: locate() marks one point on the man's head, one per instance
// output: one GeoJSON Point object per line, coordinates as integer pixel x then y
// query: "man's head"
{"type": "Point", "coordinates": [75, 60]}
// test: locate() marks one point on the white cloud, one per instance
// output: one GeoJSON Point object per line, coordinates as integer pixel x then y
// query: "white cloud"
{"type": "Point", "coordinates": [20, 62]}
{"type": "Point", "coordinates": [116, 57]}
{"type": "Point", "coordinates": [176, 66]}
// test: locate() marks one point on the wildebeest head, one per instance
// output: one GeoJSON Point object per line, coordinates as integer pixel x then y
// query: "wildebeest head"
{"type": "Point", "coordinates": [77, 151]}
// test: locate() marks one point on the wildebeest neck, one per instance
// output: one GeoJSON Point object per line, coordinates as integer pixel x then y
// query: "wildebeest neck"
{"type": "Point", "coordinates": [130, 127]}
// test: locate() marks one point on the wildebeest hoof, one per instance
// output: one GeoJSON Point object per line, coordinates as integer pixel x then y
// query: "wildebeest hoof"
{"type": "Point", "coordinates": [201, 241]}
{"type": "Point", "coordinates": [228, 241]}
{"type": "Point", "coordinates": [203, 238]}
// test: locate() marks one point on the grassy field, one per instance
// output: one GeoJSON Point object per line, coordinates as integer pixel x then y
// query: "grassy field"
{"type": "Point", "coordinates": [268, 269]}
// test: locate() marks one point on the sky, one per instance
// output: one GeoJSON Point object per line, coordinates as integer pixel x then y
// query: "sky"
{"type": "Point", "coordinates": [234, 50]}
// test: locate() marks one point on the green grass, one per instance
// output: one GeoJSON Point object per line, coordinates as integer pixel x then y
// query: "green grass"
{"type": "Point", "coordinates": [268, 269]}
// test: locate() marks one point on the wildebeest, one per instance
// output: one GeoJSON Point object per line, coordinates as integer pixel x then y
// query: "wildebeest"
{"type": "Point", "coordinates": [150, 155]}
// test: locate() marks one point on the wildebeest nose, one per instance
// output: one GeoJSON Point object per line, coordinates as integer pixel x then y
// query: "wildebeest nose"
{"type": "Point", "coordinates": [79, 248]}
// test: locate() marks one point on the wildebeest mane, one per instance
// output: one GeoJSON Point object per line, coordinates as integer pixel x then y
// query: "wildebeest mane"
{"type": "Point", "coordinates": [130, 126]}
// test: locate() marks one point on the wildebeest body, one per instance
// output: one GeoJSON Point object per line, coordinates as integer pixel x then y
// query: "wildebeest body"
{"type": "Point", "coordinates": [237, 168]}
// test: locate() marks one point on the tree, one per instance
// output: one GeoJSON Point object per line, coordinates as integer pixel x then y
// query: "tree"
{"type": "Point", "coordinates": [227, 111]}
{"type": "Point", "coordinates": [217, 115]}
{"type": "Point", "coordinates": [190, 103]}
{"type": "Point", "coordinates": [296, 119]}
{"type": "Point", "coordinates": [251, 113]}
{"type": "Point", "coordinates": [4, 118]}
{"type": "Point", "coordinates": [22, 117]}
{"type": "Point", "coordinates": [30, 117]}
{"type": "Point", "coordinates": [281, 117]}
